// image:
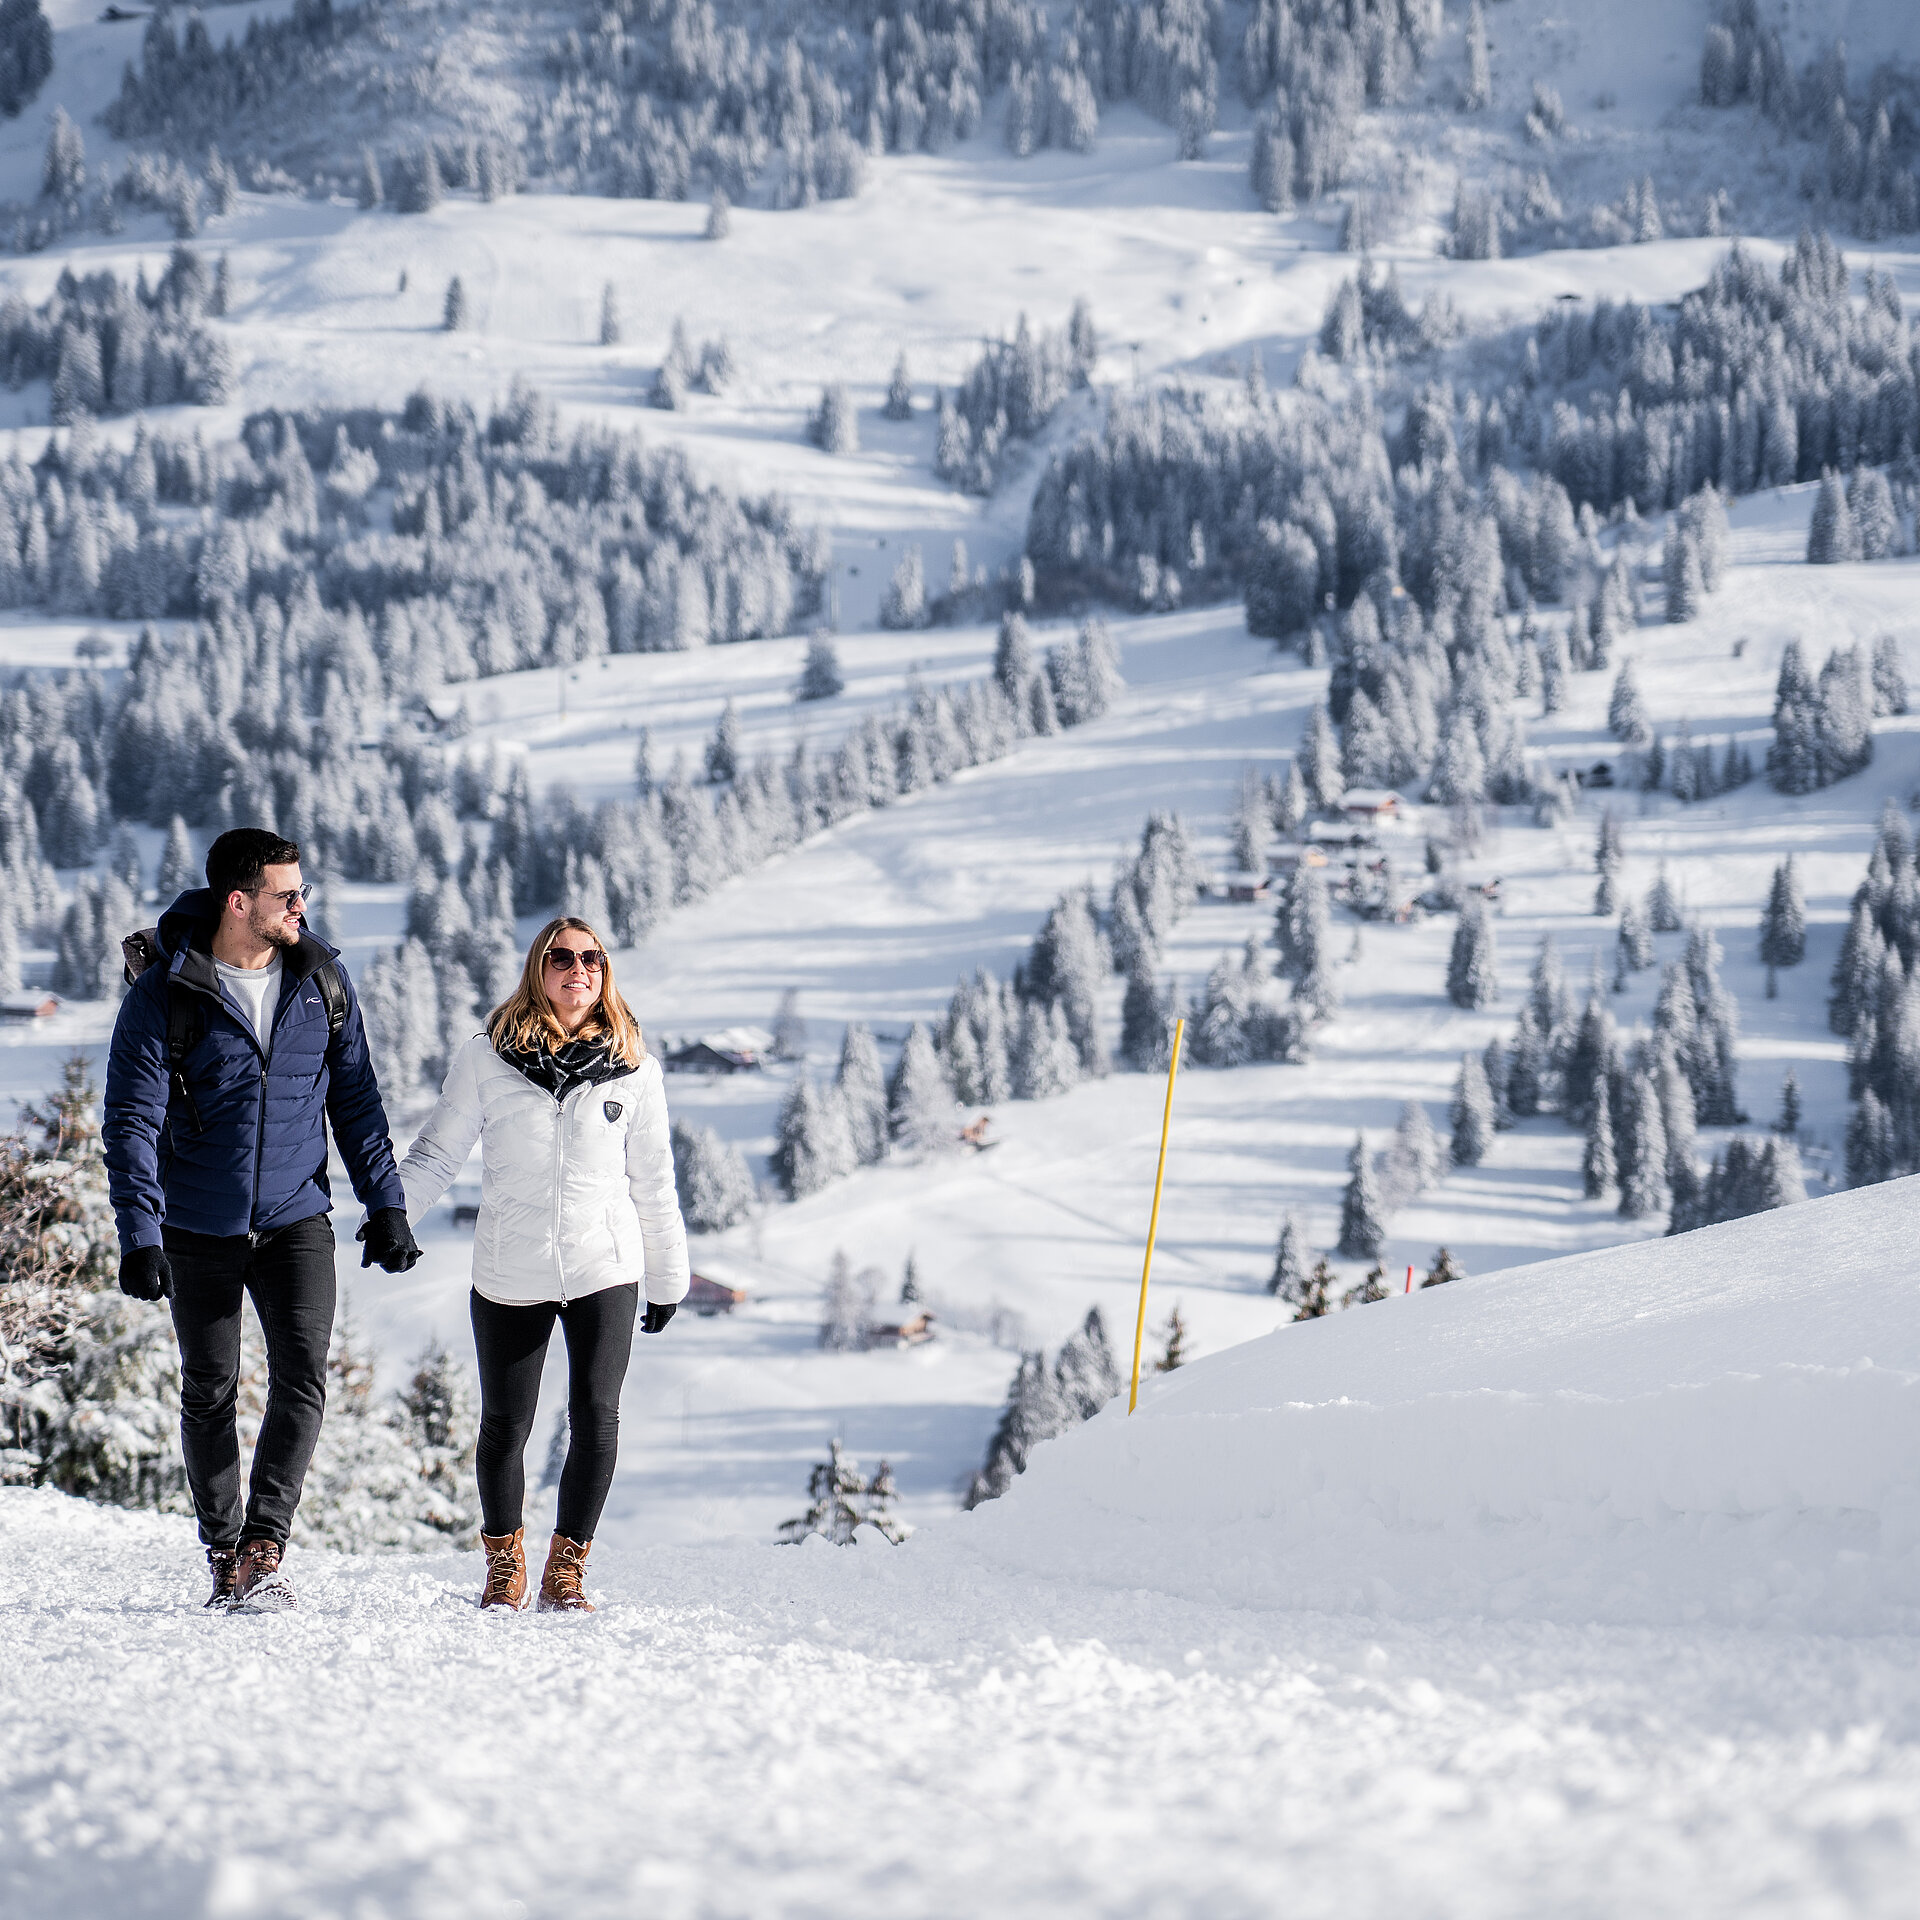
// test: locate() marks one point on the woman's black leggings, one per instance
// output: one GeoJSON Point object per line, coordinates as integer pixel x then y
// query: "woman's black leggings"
{"type": "Point", "coordinates": [511, 1343]}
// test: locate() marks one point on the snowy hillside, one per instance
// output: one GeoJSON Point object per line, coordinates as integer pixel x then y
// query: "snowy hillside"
{"type": "Point", "coordinates": [1587, 1589]}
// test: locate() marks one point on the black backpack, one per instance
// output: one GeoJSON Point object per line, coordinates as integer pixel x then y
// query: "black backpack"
{"type": "Point", "coordinates": [186, 1019]}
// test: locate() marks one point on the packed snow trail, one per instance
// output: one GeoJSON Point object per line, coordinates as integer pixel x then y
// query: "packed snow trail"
{"type": "Point", "coordinates": [1587, 1590]}
{"type": "Point", "coordinates": [863, 1732]}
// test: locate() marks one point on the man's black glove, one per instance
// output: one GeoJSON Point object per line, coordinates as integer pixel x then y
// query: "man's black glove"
{"type": "Point", "coordinates": [389, 1240]}
{"type": "Point", "coordinates": [145, 1274]}
{"type": "Point", "coordinates": [655, 1317]}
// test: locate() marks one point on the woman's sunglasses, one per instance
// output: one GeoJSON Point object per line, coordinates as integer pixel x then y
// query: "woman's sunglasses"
{"type": "Point", "coordinates": [565, 959]}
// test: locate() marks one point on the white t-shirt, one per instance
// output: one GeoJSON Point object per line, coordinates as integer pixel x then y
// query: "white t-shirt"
{"type": "Point", "coordinates": [257, 989]}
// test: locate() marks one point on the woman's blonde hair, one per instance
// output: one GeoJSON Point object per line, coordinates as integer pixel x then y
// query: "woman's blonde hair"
{"type": "Point", "coordinates": [525, 1019]}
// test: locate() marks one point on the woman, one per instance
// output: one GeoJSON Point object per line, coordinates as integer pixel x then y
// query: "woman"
{"type": "Point", "coordinates": [576, 1204]}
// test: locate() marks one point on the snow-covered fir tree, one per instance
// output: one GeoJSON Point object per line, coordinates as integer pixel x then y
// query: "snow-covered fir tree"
{"type": "Point", "coordinates": [820, 678]}
{"type": "Point", "coordinates": [861, 1086]}
{"type": "Point", "coordinates": [1472, 1113]}
{"type": "Point", "coordinates": [846, 1308]}
{"type": "Point", "coordinates": [920, 1115]}
{"type": "Point", "coordinates": [1783, 921]}
{"type": "Point", "coordinates": [1362, 1228]}
{"type": "Point", "coordinates": [711, 1178]}
{"type": "Point", "coordinates": [1472, 970]}
{"type": "Point", "coordinates": [1288, 1280]}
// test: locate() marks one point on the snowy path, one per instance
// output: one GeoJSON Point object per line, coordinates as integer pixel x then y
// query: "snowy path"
{"type": "Point", "coordinates": [771, 1732]}
{"type": "Point", "coordinates": [1589, 1589]}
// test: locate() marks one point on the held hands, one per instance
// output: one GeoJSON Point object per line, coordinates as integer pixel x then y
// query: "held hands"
{"type": "Point", "coordinates": [655, 1318]}
{"type": "Point", "coordinates": [146, 1274]}
{"type": "Point", "coordinates": [389, 1240]}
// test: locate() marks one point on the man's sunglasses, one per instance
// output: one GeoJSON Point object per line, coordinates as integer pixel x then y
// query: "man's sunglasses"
{"type": "Point", "coordinates": [290, 898]}
{"type": "Point", "coordinates": [565, 959]}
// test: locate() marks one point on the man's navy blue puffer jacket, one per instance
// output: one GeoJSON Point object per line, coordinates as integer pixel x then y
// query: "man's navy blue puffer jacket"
{"type": "Point", "coordinates": [257, 1161]}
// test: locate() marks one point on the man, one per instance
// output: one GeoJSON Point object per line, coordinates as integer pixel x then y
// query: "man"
{"type": "Point", "coordinates": [232, 1051]}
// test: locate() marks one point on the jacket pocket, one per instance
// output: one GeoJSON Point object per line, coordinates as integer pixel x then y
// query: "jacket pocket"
{"type": "Point", "coordinates": [620, 1232]}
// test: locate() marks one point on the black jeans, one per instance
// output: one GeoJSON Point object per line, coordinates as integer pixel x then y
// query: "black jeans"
{"type": "Point", "coordinates": [511, 1345]}
{"type": "Point", "coordinates": [289, 1273]}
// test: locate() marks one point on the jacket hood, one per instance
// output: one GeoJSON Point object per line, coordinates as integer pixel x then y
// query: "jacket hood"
{"type": "Point", "coordinates": [187, 927]}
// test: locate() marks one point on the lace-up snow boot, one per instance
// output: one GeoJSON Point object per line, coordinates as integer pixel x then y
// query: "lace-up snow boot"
{"type": "Point", "coordinates": [259, 1585]}
{"type": "Point", "coordinates": [223, 1564]}
{"type": "Point", "coordinates": [560, 1583]}
{"type": "Point", "coordinates": [506, 1570]}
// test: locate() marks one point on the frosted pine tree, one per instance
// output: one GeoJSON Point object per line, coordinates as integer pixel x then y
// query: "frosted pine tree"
{"type": "Point", "coordinates": [1472, 976]}
{"type": "Point", "coordinates": [920, 1114]}
{"type": "Point", "coordinates": [723, 749]}
{"type": "Point", "coordinates": [711, 1178]}
{"type": "Point", "coordinates": [1684, 577]}
{"type": "Point", "coordinates": [1477, 94]}
{"type": "Point", "coordinates": [1085, 1368]}
{"type": "Point", "coordinates": [1319, 761]}
{"type": "Point", "coordinates": [900, 391]}
{"type": "Point", "coordinates": [1643, 1172]}
{"type": "Point", "coordinates": [1599, 1173]}
{"type": "Point", "coordinates": [1663, 904]}
{"type": "Point", "coordinates": [846, 1308]}
{"type": "Point", "coordinates": [453, 312]}
{"type": "Point", "coordinates": [176, 872]}
{"type": "Point", "coordinates": [610, 332]}
{"type": "Point", "coordinates": [1635, 938]}
{"type": "Point", "coordinates": [834, 426]}
{"type": "Point", "coordinates": [1444, 1271]}
{"type": "Point", "coordinates": [1362, 1230]}
{"type": "Point", "coordinates": [802, 1159]}
{"type": "Point", "coordinates": [719, 215]}
{"type": "Point", "coordinates": [1472, 1115]}
{"type": "Point", "coordinates": [1783, 921]}
{"type": "Point", "coordinates": [1288, 1280]}
{"type": "Point", "coordinates": [904, 605]}
{"type": "Point", "coordinates": [1788, 1124]}
{"type": "Point", "coordinates": [1889, 676]}
{"type": "Point", "coordinates": [1830, 534]}
{"type": "Point", "coordinates": [1144, 1041]}
{"type": "Point", "coordinates": [820, 678]}
{"type": "Point", "coordinates": [863, 1093]}
{"type": "Point", "coordinates": [1627, 717]}
{"type": "Point", "coordinates": [1414, 1159]}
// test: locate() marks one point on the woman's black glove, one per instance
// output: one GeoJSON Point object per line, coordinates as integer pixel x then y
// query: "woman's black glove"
{"type": "Point", "coordinates": [389, 1240]}
{"type": "Point", "coordinates": [655, 1317]}
{"type": "Point", "coordinates": [146, 1274]}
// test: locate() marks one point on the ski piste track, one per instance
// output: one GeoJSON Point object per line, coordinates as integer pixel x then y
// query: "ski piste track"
{"type": "Point", "coordinates": [1602, 1598]}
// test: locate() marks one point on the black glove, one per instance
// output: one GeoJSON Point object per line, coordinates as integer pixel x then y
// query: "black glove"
{"type": "Point", "coordinates": [389, 1240]}
{"type": "Point", "coordinates": [655, 1317]}
{"type": "Point", "coordinates": [146, 1275]}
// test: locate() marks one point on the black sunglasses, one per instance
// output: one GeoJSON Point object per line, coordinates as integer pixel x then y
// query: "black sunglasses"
{"type": "Point", "coordinates": [565, 959]}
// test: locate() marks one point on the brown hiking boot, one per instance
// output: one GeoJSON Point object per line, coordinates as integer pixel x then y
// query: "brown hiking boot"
{"type": "Point", "coordinates": [259, 1585]}
{"type": "Point", "coordinates": [506, 1570]}
{"type": "Point", "coordinates": [223, 1564]}
{"type": "Point", "coordinates": [560, 1584]}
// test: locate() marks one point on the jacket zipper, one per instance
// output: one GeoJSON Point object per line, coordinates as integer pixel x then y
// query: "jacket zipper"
{"type": "Point", "coordinates": [559, 1160]}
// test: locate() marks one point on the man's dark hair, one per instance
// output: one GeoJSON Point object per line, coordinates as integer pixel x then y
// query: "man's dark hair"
{"type": "Point", "coordinates": [238, 859]}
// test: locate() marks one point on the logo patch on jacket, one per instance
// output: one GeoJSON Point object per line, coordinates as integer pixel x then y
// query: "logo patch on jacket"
{"type": "Point", "coordinates": [612, 1109]}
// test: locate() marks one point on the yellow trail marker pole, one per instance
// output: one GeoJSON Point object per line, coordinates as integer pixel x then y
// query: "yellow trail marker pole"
{"type": "Point", "coordinates": [1153, 1223]}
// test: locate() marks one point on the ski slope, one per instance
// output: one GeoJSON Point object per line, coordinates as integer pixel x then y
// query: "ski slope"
{"type": "Point", "coordinates": [1591, 1589]}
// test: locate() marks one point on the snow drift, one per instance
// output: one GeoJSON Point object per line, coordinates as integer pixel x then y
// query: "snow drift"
{"type": "Point", "coordinates": [1721, 1427]}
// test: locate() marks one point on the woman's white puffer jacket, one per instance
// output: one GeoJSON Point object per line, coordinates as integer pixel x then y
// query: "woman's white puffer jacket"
{"type": "Point", "coordinates": [575, 1194]}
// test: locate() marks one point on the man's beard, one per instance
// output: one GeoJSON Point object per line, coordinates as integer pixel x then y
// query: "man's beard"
{"type": "Point", "coordinates": [278, 934]}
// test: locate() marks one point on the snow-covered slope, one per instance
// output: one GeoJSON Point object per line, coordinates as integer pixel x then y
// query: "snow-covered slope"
{"type": "Point", "coordinates": [1066, 1706]}
{"type": "Point", "coordinates": [1723, 1427]}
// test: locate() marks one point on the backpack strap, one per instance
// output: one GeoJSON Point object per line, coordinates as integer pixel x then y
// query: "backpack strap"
{"type": "Point", "coordinates": [333, 990]}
